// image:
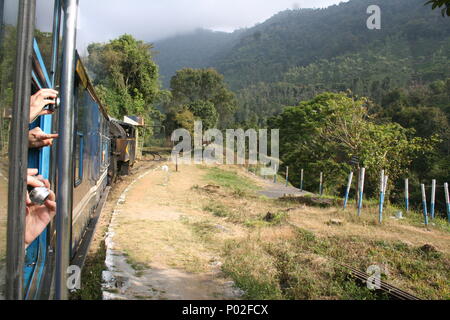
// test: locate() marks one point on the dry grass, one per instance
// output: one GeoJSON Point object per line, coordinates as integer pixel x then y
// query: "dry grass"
{"type": "Point", "coordinates": [207, 214]}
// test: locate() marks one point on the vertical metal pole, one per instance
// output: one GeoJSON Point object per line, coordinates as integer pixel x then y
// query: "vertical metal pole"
{"type": "Point", "coordinates": [275, 175]}
{"type": "Point", "coordinates": [433, 198]}
{"type": "Point", "coordinates": [361, 190]}
{"type": "Point", "coordinates": [347, 191]}
{"type": "Point", "coordinates": [176, 162]}
{"type": "Point", "coordinates": [380, 211]}
{"type": "Point", "coordinates": [447, 200]}
{"type": "Point", "coordinates": [55, 40]}
{"type": "Point", "coordinates": [18, 151]}
{"type": "Point", "coordinates": [65, 151]}
{"type": "Point", "coordinates": [321, 184]}
{"type": "Point", "coordinates": [287, 176]}
{"type": "Point", "coordinates": [407, 194]}
{"type": "Point", "coordinates": [301, 179]}
{"type": "Point", "coordinates": [424, 204]}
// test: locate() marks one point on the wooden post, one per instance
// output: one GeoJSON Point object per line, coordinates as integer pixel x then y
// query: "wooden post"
{"type": "Point", "coordinates": [447, 200]}
{"type": "Point", "coordinates": [347, 191]}
{"type": "Point", "coordinates": [287, 176]}
{"type": "Point", "coordinates": [176, 164]}
{"type": "Point", "coordinates": [407, 194]}
{"type": "Point", "coordinates": [424, 204]}
{"type": "Point", "coordinates": [301, 180]}
{"type": "Point", "coordinates": [433, 198]}
{"type": "Point", "coordinates": [361, 190]}
{"type": "Point", "coordinates": [380, 210]}
{"type": "Point", "coordinates": [321, 184]}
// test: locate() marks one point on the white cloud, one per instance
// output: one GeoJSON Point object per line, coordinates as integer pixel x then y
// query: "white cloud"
{"type": "Point", "coordinates": [102, 20]}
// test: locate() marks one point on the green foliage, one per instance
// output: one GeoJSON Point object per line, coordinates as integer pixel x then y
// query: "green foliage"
{"type": "Point", "coordinates": [323, 134]}
{"type": "Point", "coordinates": [126, 77]}
{"type": "Point", "coordinates": [201, 89]}
{"type": "Point", "coordinates": [439, 4]}
{"type": "Point", "coordinates": [183, 118]}
{"type": "Point", "coordinates": [205, 111]}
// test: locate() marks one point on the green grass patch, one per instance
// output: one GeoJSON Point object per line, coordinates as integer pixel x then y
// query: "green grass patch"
{"type": "Point", "coordinates": [217, 210]}
{"type": "Point", "coordinates": [232, 181]}
{"type": "Point", "coordinates": [203, 229]}
{"type": "Point", "coordinates": [91, 277]}
{"type": "Point", "coordinates": [268, 220]}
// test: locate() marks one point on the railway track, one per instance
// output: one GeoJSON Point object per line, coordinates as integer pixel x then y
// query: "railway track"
{"type": "Point", "coordinates": [392, 291]}
{"type": "Point", "coordinates": [387, 288]}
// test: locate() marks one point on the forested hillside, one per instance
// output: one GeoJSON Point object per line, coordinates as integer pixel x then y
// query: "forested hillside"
{"type": "Point", "coordinates": [299, 53]}
{"type": "Point", "coordinates": [296, 72]}
{"type": "Point", "coordinates": [194, 50]}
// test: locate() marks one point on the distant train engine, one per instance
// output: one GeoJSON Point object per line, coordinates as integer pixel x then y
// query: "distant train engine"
{"type": "Point", "coordinates": [124, 146]}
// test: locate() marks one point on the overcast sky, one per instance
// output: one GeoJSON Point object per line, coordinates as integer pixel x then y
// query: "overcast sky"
{"type": "Point", "coordinates": [151, 20]}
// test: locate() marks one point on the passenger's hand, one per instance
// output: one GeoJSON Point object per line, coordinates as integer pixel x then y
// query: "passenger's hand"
{"type": "Point", "coordinates": [38, 218]}
{"type": "Point", "coordinates": [34, 181]}
{"type": "Point", "coordinates": [41, 99]}
{"type": "Point", "coordinates": [38, 138]}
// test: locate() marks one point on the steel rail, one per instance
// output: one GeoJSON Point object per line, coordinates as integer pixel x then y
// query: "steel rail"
{"type": "Point", "coordinates": [384, 286]}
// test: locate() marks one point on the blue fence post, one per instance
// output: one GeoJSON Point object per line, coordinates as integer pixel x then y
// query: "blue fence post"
{"type": "Point", "coordinates": [380, 210]}
{"type": "Point", "coordinates": [407, 194]}
{"type": "Point", "coordinates": [361, 190]}
{"type": "Point", "coordinates": [347, 191]}
{"type": "Point", "coordinates": [447, 200]}
{"type": "Point", "coordinates": [433, 198]}
{"type": "Point", "coordinates": [424, 204]}
{"type": "Point", "coordinates": [301, 180]}
{"type": "Point", "coordinates": [287, 176]}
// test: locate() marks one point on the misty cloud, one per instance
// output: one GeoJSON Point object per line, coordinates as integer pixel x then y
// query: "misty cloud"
{"type": "Point", "coordinates": [102, 20]}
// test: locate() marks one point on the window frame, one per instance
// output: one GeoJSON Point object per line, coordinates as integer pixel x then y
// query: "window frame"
{"type": "Point", "coordinates": [78, 176]}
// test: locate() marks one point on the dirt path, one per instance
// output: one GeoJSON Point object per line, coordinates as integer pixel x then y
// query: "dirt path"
{"type": "Point", "coordinates": [278, 190]}
{"type": "Point", "coordinates": [153, 252]}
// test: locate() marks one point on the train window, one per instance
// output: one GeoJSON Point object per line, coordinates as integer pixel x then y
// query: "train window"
{"type": "Point", "coordinates": [8, 22]}
{"type": "Point", "coordinates": [79, 150]}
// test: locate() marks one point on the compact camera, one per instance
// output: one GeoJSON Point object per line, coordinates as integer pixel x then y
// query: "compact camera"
{"type": "Point", "coordinates": [53, 107]}
{"type": "Point", "coordinates": [38, 195]}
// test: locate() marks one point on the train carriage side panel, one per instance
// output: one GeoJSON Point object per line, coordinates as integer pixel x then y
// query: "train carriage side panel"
{"type": "Point", "coordinates": [90, 171]}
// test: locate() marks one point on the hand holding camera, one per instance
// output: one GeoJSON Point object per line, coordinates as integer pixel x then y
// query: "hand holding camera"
{"type": "Point", "coordinates": [44, 102]}
{"type": "Point", "coordinates": [41, 206]}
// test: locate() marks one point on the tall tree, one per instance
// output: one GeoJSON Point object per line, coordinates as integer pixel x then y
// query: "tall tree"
{"type": "Point", "coordinates": [324, 133]}
{"type": "Point", "coordinates": [201, 87]}
{"type": "Point", "coordinates": [126, 76]}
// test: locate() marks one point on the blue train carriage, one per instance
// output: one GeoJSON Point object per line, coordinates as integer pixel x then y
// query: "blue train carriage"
{"type": "Point", "coordinates": [91, 162]}
{"type": "Point", "coordinates": [76, 165]}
